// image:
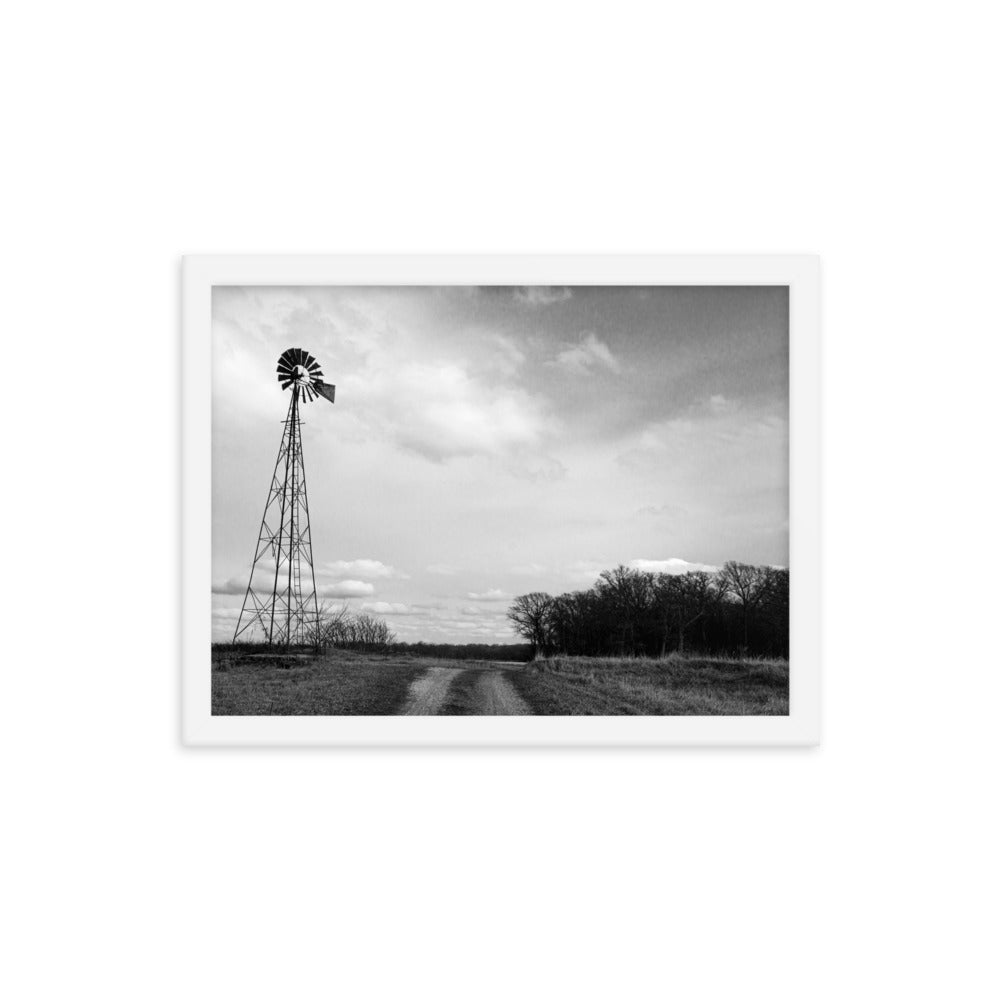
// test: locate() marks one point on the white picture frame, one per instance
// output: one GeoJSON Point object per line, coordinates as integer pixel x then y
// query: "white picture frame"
{"type": "Point", "coordinates": [801, 727]}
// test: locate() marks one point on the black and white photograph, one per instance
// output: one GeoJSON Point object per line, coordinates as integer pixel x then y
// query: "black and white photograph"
{"type": "Point", "coordinates": [500, 500]}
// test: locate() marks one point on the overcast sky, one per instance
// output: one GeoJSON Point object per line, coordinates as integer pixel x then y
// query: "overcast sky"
{"type": "Point", "coordinates": [490, 442]}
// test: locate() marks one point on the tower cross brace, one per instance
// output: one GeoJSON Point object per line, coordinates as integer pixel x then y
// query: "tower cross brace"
{"type": "Point", "coordinates": [275, 604]}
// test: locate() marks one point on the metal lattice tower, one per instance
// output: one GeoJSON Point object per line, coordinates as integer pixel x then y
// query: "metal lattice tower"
{"type": "Point", "coordinates": [281, 601]}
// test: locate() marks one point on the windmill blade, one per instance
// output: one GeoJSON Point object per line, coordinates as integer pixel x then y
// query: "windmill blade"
{"type": "Point", "coordinates": [324, 390]}
{"type": "Point", "coordinates": [313, 364]}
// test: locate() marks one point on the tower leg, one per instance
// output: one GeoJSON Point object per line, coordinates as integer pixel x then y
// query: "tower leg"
{"type": "Point", "coordinates": [275, 605]}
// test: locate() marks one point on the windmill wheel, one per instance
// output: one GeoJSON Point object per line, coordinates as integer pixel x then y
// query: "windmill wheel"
{"type": "Point", "coordinates": [299, 368]}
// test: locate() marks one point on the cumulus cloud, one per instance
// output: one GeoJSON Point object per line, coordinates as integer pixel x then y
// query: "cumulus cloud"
{"type": "Point", "coordinates": [504, 354]}
{"type": "Point", "coordinates": [442, 411]}
{"type": "Point", "coordinates": [351, 573]}
{"type": "Point", "coordinates": [363, 569]}
{"type": "Point", "coordinates": [489, 595]}
{"type": "Point", "coordinates": [672, 566]}
{"type": "Point", "coordinates": [585, 570]}
{"type": "Point", "coordinates": [346, 588]}
{"type": "Point", "coordinates": [387, 608]}
{"type": "Point", "coordinates": [585, 358]}
{"type": "Point", "coordinates": [536, 468]}
{"type": "Point", "coordinates": [541, 295]}
{"type": "Point", "coordinates": [224, 623]}
{"type": "Point", "coordinates": [482, 611]}
{"type": "Point", "coordinates": [726, 445]}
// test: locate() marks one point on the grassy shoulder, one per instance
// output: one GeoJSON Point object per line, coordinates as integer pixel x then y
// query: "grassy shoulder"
{"type": "Point", "coordinates": [251, 682]}
{"type": "Point", "coordinates": [674, 685]}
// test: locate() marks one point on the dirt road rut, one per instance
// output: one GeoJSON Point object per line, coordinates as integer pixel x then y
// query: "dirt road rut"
{"type": "Point", "coordinates": [485, 690]}
{"type": "Point", "coordinates": [428, 693]}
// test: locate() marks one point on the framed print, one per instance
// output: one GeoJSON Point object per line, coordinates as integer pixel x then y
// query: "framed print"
{"type": "Point", "coordinates": [500, 500]}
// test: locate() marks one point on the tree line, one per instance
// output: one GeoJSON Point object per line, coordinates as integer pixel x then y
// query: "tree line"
{"type": "Point", "coordinates": [345, 630]}
{"type": "Point", "coordinates": [738, 610]}
{"type": "Point", "coordinates": [465, 651]}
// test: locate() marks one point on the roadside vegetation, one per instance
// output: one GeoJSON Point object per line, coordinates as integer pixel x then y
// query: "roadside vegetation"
{"type": "Point", "coordinates": [250, 680]}
{"type": "Point", "coordinates": [674, 685]}
{"type": "Point", "coordinates": [255, 680]}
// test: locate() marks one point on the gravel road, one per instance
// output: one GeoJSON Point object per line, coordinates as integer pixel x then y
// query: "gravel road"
{"type": "Point", "coordinates": [491, 693]}
{"type": "Point", "coordinates": [427, 694]}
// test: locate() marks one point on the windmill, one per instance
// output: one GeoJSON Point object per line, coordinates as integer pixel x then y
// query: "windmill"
{"type": "Point", "coordinates": [275, 601]}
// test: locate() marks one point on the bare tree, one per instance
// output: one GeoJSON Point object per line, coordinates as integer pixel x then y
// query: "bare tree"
{"type": "Point", "coordinates": [749, 586]}
{"type": "Point", "coordinates": [337, 627]}
{"type": "Point", "coordinates": [329, 627]}
{"type": "Point", "coordinates": [629, 593]}
{"type": "Point", "coordinates": [695, 594]}
{"type": "Point", "coordinates": [531, 616]}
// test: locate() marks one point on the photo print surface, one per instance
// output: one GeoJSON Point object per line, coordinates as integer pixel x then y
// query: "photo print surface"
{"type": "Point", "coordinates": [496, 500]}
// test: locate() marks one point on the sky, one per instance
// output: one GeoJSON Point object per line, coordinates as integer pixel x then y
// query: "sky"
{"type": "Point", "coordinates": [489, 442]}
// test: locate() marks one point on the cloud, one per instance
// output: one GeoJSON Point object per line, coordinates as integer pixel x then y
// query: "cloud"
{"type": "Point", "coordinates": [586, 357]}
{"type": "Point", "coordinates": [354, 572]}
{"type": "Point", "coordinates": [440, 410]}
{"type": "Point", "coordinates": [346, 588]}
{"type": "Point", "coordinates": [586, 570]}
{"type": "Point", "coordinates": [364, 569]}
{"type": "Point", "coordinates": [721, 440]}
{"type": "Point", "coordinates": [489, 595]}
{"type": "Point", "coordinates": [541, 295]}
{"type": "Point", "coordinates": [385, 608]}
{"type": "Point", "coordinates": [536, 468]}
{"type": "Point", "coordinates": [506, 356]}
{"type": "Point", "coordinates": [671, 566]}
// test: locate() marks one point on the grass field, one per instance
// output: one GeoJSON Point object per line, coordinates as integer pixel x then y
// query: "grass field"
{"type": "Point", "coordinates": [252, 681]}
{"type": "Point", "coordinates": [675, 685]}
{"type": "Point", "coordinates": [339, 683]}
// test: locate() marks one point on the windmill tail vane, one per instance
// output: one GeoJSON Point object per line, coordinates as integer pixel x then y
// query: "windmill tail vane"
{"type": "Point", "coordinates": [281, 600]}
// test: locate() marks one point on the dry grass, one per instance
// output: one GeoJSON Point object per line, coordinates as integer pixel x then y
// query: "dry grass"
{"type": "Point", "coordinates": [674, 685]}
{"type": "Point", "coordinates": [250, 682]}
